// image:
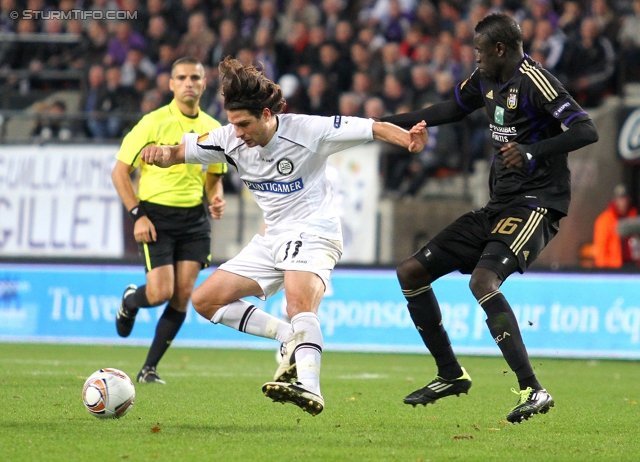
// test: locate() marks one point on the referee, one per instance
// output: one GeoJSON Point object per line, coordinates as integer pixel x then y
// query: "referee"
{"type": "Point", "coordinates": [171, 224]}
{"type": "Point", "coordinates": [530, 192]}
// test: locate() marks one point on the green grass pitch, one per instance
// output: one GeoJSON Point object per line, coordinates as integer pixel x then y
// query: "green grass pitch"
{"type": "Point", "coordinates": [212, 409]}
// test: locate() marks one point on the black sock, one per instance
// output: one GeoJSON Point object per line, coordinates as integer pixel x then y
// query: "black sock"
{"type": "Point", "coordinates": [168, 326]}
{"type": "Point", "coordinates": [425, 313]}
{"type": "Point", "coordinates": [506, 333]}
{"type": "Point", "coordinates": [138, 299]}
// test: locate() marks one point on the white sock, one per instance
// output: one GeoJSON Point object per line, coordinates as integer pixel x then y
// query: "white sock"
{"type": "Point", "coordinates": [245, 317]}
{"type": "Point", "coordinates": [308, 336]}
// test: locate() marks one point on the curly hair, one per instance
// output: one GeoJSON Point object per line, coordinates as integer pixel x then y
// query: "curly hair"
{"type": "Point", "coordinates": [499, 27]}
{"type": "Point", "coordinates": [246, 88]}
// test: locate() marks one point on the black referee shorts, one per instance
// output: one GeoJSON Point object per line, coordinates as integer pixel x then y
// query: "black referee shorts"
{"type": "Point", "coordinates": [183, 234]}
{"type": "Point", "coordinates": [525, 232]}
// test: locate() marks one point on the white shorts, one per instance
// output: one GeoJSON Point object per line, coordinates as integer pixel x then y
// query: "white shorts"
{"type": "Point", "coordinates": [265, 259]}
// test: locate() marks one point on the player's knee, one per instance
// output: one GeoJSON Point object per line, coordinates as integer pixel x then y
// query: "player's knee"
{"type": "Point", "coordinates": [199, 302]}
{"type": "Point", "coordinates": [483, 281]}
{"type": "Point", "coordinates": [412, 274]}
{"type": "Point", "coordinates": [158, 295]}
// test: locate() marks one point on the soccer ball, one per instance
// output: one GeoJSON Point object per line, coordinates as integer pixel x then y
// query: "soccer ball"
{"type": "Point", "coordinates": [108, 393]}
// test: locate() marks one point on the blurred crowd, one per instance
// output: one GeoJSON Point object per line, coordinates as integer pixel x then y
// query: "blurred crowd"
{"type": "Point", "coordinates": [349, 57]}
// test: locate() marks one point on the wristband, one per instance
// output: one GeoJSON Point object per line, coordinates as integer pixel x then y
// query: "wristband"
{"type": "Point", "coordinates": [136, 213]}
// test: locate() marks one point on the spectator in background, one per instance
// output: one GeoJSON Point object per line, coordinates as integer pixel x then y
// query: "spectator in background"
{"type": "Point", "coordinates": [52, 123]}
{"type": "Point", "coordinates": [265, 52]}
{"type": "Point", "coordinates": [249, 19]}
{"type": "Point", "coordinates": [93, 46]}
{"type": "Point", "coordinates": [164, 87]}
{"type": "Point", "coordinates": [124, 40]}
{"type": "Point", "coordinates": [610, 250]}
{"type": "Point", "coordinates": [411, 40]}
{"type": "Point", "coordinates": [113, 103]}
{"type": "Point", "coordinates": [395, 24]}
{"type": "Point", "coordinates": [226, 10]}
{"type": "Point", "coordinates": [394, 94]}
{"type": "Point", "coordinates": [227, 43]}
{"type": "Point", "coordinates": [548, 44]}
{"type": "Point", "coordinates": [332, 14]}
{"type": "Point", "coordinates": [374, 108]}
{"type": "Point", "coordinates": [321, 95]}
{"type": "Point", "coordinates": [92, 99]}
{"type": "Point", "coordinates": [607, 19]}
{"type": "Point", "coordinates": [167, 55]}
{"type": "Point", "coordinates": [9, 23]}
{"type": "Point", "coordinates": [336, 68]}
{"type": "Point", "coordinates": [344, 37]}
{"type": "Point", "coordinates": [151, 100]}
{"type": "Point", "coordinates": [424, 89]}
{"type": "Point", "coordinates": [543, 10]}
{"type": "Point", "coordinates": [185, 9]}
{"type": "Point", "coordinates": [136, 63]}
{"type": "Point", "coordinates": [629, 40]}
{"type": "Point", "coordinates": [157, 34]}
{"type": "Point", "coordinates": [297, 11]}
{"type": "Point", "coordinates": [588, 65]}
{"type": "Point", "coordinates": [362, 85]}
{"type": "Point", "coordinates": [350, 104]}
{"type": "Point", "coordinates": [294, 93]}
{"type": "Point", "coordinates": [199, 39]}
{"type": "Point", "coordinates": [394, 63]}
{"type": "Point", "coordinates": [22, 53]}
{"type": "Point", "coordinates": [269, 17]}
{"type": "Point", "coordinates": [367, 62]}
{"type": "Point", "coordinates": [570, 19]}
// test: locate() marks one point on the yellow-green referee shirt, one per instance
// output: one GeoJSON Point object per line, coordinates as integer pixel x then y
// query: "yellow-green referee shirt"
{"type": "Point", "coordinates": [179, 185]}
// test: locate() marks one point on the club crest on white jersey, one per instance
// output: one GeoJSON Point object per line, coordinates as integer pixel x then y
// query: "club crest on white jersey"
{"type": "Point", "coordinates": [284, 166]}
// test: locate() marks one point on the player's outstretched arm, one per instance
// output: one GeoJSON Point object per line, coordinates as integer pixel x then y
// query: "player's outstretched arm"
{"type": "Point", "coordinates": [163, 156]}
{"type": "Point", "coordinates": [414, 140]}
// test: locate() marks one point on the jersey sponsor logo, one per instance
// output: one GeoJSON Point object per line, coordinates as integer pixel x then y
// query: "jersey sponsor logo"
{"type": "Point", "coordinates": [501, 337]}
{"type": "Point", "coordinates": [284, 166]}
{"type": "Point", "coordinates": [512, 100]}
{"type": "Point", "coordinates": [278, 187]}
{"type": "Point", "coordinates": [502, 134]}
{"type": "Point", "coordinates": [490, 94]}
{"type": "Point", "coordinates": [337, 120]}
{"type": "Point", "coordinates": [203, 137]}
{"type": "Point", "coordinates": [560, 110]}
{"type": "Point", "coordinates": [498, 116]}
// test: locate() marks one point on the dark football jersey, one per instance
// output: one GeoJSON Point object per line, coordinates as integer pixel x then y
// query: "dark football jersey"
{"type": "Point", "coordinates": [528, 108]}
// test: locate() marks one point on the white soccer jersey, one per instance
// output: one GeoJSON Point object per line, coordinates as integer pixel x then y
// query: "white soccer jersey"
{"type": "Point", "coordinates": [287, 177]}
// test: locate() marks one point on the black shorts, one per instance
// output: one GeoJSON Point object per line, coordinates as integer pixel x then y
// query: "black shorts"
{"type": "Point", "coordinates": [183, 234]}
{"type": "Point", "coordinates": [524, 231]}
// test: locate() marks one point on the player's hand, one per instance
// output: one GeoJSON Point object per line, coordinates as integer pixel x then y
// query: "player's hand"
{"type": "Point", "coordinates": [144, 231]}
{"type": "Point", "coordinates": [217, 207]}
{"type": "Point", "coordinates": [512, 157]}
{"type": "Point", "coordinates": [156, 155]}
{"type": "Point", "coordinates": [418, 134]}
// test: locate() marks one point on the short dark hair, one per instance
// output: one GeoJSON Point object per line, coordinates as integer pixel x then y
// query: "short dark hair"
{"type": "Point", "coordinates": [184, 60]}
{"type": "Point", "coordinates": [499, 27]}
{"type": "Point", "coordinates": [247, 88]}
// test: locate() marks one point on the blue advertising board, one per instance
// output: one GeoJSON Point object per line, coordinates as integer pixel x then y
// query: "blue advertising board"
{"type": "Point", "coordinates": [563, 315]}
